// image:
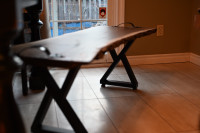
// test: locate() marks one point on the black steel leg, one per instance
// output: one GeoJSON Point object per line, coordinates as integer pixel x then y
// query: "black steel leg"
{"type": "Point", "coordinates": [108, 72]}
{"type": "Point", "coordinates": [116, 58]}
{"type": "Point", "coordinates": [37, 123]}
{"type": "Point", "coordinates": [24, 80]}
{"type": "Point", "coordinates": [130, 73]}
{"type": "Point", "coordinates": [59, 95]}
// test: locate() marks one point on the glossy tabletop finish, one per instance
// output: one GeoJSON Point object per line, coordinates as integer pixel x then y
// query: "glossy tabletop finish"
{"type": "Point", "coordinates": [78, 47]}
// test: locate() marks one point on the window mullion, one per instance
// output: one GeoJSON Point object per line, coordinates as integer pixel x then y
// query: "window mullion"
{"type": "Point", "coordinates": [55, 17]}
{"type": "Point", "coordinates": [90, 12]}
{"type": "Point", "coordinates": [95, 9]}
{"type": "Point", "coordinates": [80, 13]}
{"type": "Point", "coordinates": [99, 3]}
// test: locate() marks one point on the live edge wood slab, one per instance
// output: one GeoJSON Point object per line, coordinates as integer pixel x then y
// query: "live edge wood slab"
{"type": "Point", "coordinates": [80, 47]}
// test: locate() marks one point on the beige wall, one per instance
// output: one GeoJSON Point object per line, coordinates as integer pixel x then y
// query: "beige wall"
{"type": "Point", "coordinates": [175, 15]}
{"type": "Point", "coordinates": [195, 30]}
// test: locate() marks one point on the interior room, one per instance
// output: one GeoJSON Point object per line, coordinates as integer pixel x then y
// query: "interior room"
{"type": "Point", "coordinates": [165, 63]}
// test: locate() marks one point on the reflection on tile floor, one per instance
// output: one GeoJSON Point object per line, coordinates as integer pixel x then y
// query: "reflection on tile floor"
{"type": "Point", "coordinates": [167, 100]}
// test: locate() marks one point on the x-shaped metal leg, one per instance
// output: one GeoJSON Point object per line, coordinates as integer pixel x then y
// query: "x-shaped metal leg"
{"type": "Point", "coordinates": [59, 95]}
{"type": "Point", "coordinates": [116, 58]}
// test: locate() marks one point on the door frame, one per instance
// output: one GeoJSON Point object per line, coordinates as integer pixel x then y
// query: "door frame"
{"type": "Point", "coordinates": [116, 16]}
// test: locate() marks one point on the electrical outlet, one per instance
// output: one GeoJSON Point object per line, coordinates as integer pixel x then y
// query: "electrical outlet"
{"type": "Point", "coordinates": [160, 30]}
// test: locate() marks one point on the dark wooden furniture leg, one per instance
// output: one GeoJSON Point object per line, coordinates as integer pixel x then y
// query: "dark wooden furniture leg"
{"type": "Point", "coordinates": [116, 58]}
{"type": "Point", "coordinates": [35, 25]}
{"type": "Point", "coordinates": [24, 79]}
{"type": "Point", "coordinates": [59, 95]}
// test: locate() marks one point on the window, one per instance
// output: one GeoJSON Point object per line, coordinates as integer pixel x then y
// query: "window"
{"type": "Point", "coordinates": [72, 15]}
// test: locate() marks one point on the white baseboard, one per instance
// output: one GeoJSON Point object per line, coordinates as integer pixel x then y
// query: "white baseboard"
{"type": "Point", "coordinates": [156, 59]}
{"type": "Point", "coordinates": [159, 58]}
{"type": "Point", "coordinates": [195, 59]}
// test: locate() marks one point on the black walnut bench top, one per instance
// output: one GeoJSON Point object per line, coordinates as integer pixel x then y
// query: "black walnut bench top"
{"type": "Point", "coordinates": [79, 47]}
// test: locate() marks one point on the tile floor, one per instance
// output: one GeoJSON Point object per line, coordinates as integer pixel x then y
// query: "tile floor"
{"type": "Point", "coordinates": [167, 100]}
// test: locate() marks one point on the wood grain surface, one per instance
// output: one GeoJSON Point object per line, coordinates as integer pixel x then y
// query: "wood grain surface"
{"type": "Point", "coordinates": [79, 47]}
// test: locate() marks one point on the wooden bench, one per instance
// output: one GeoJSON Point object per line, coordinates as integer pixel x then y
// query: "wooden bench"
{"type": "Point", "coordinates": [71, 51]}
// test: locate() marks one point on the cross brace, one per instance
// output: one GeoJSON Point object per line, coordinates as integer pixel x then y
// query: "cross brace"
{"type": "Point", "coordinates": [59, 95]}
{"type": "Point", "coordinates": [116, 58]}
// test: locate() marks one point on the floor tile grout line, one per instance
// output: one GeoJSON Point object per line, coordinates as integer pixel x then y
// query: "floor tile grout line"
{"type": "Point", "coordinates": [128, 96]}
{"type": "Point", "coordinates": [188, 100]}
{"type": "Point", "coordinates": [156, 112]}
{"type": "Point", "coordinates": [101, 98]}
{"type": "Point", "coordinates": [181, 72]}
{"type": "Point", "coordinates": [187, 75]}
{"type": "Point", "coordinates": [103, 107]}
{"type": "Point", "coordinates": [109, 117]}
{"type": "Point", "coordinates": [91, 87]}
{"type": "Point", "coordinates": [175, 91]}
{"type": "Point", "coordinates": [56, 110]}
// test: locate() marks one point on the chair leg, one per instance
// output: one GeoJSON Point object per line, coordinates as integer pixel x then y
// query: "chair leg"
{"type": "Point", "coordinates": [24, 79]}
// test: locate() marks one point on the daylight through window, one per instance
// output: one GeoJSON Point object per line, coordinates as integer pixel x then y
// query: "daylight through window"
{"type": "Point", "coordinates": [72, 15]}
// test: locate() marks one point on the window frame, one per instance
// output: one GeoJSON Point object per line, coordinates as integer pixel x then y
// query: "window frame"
{"type": "Point", "coordinates": [116, 12]}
